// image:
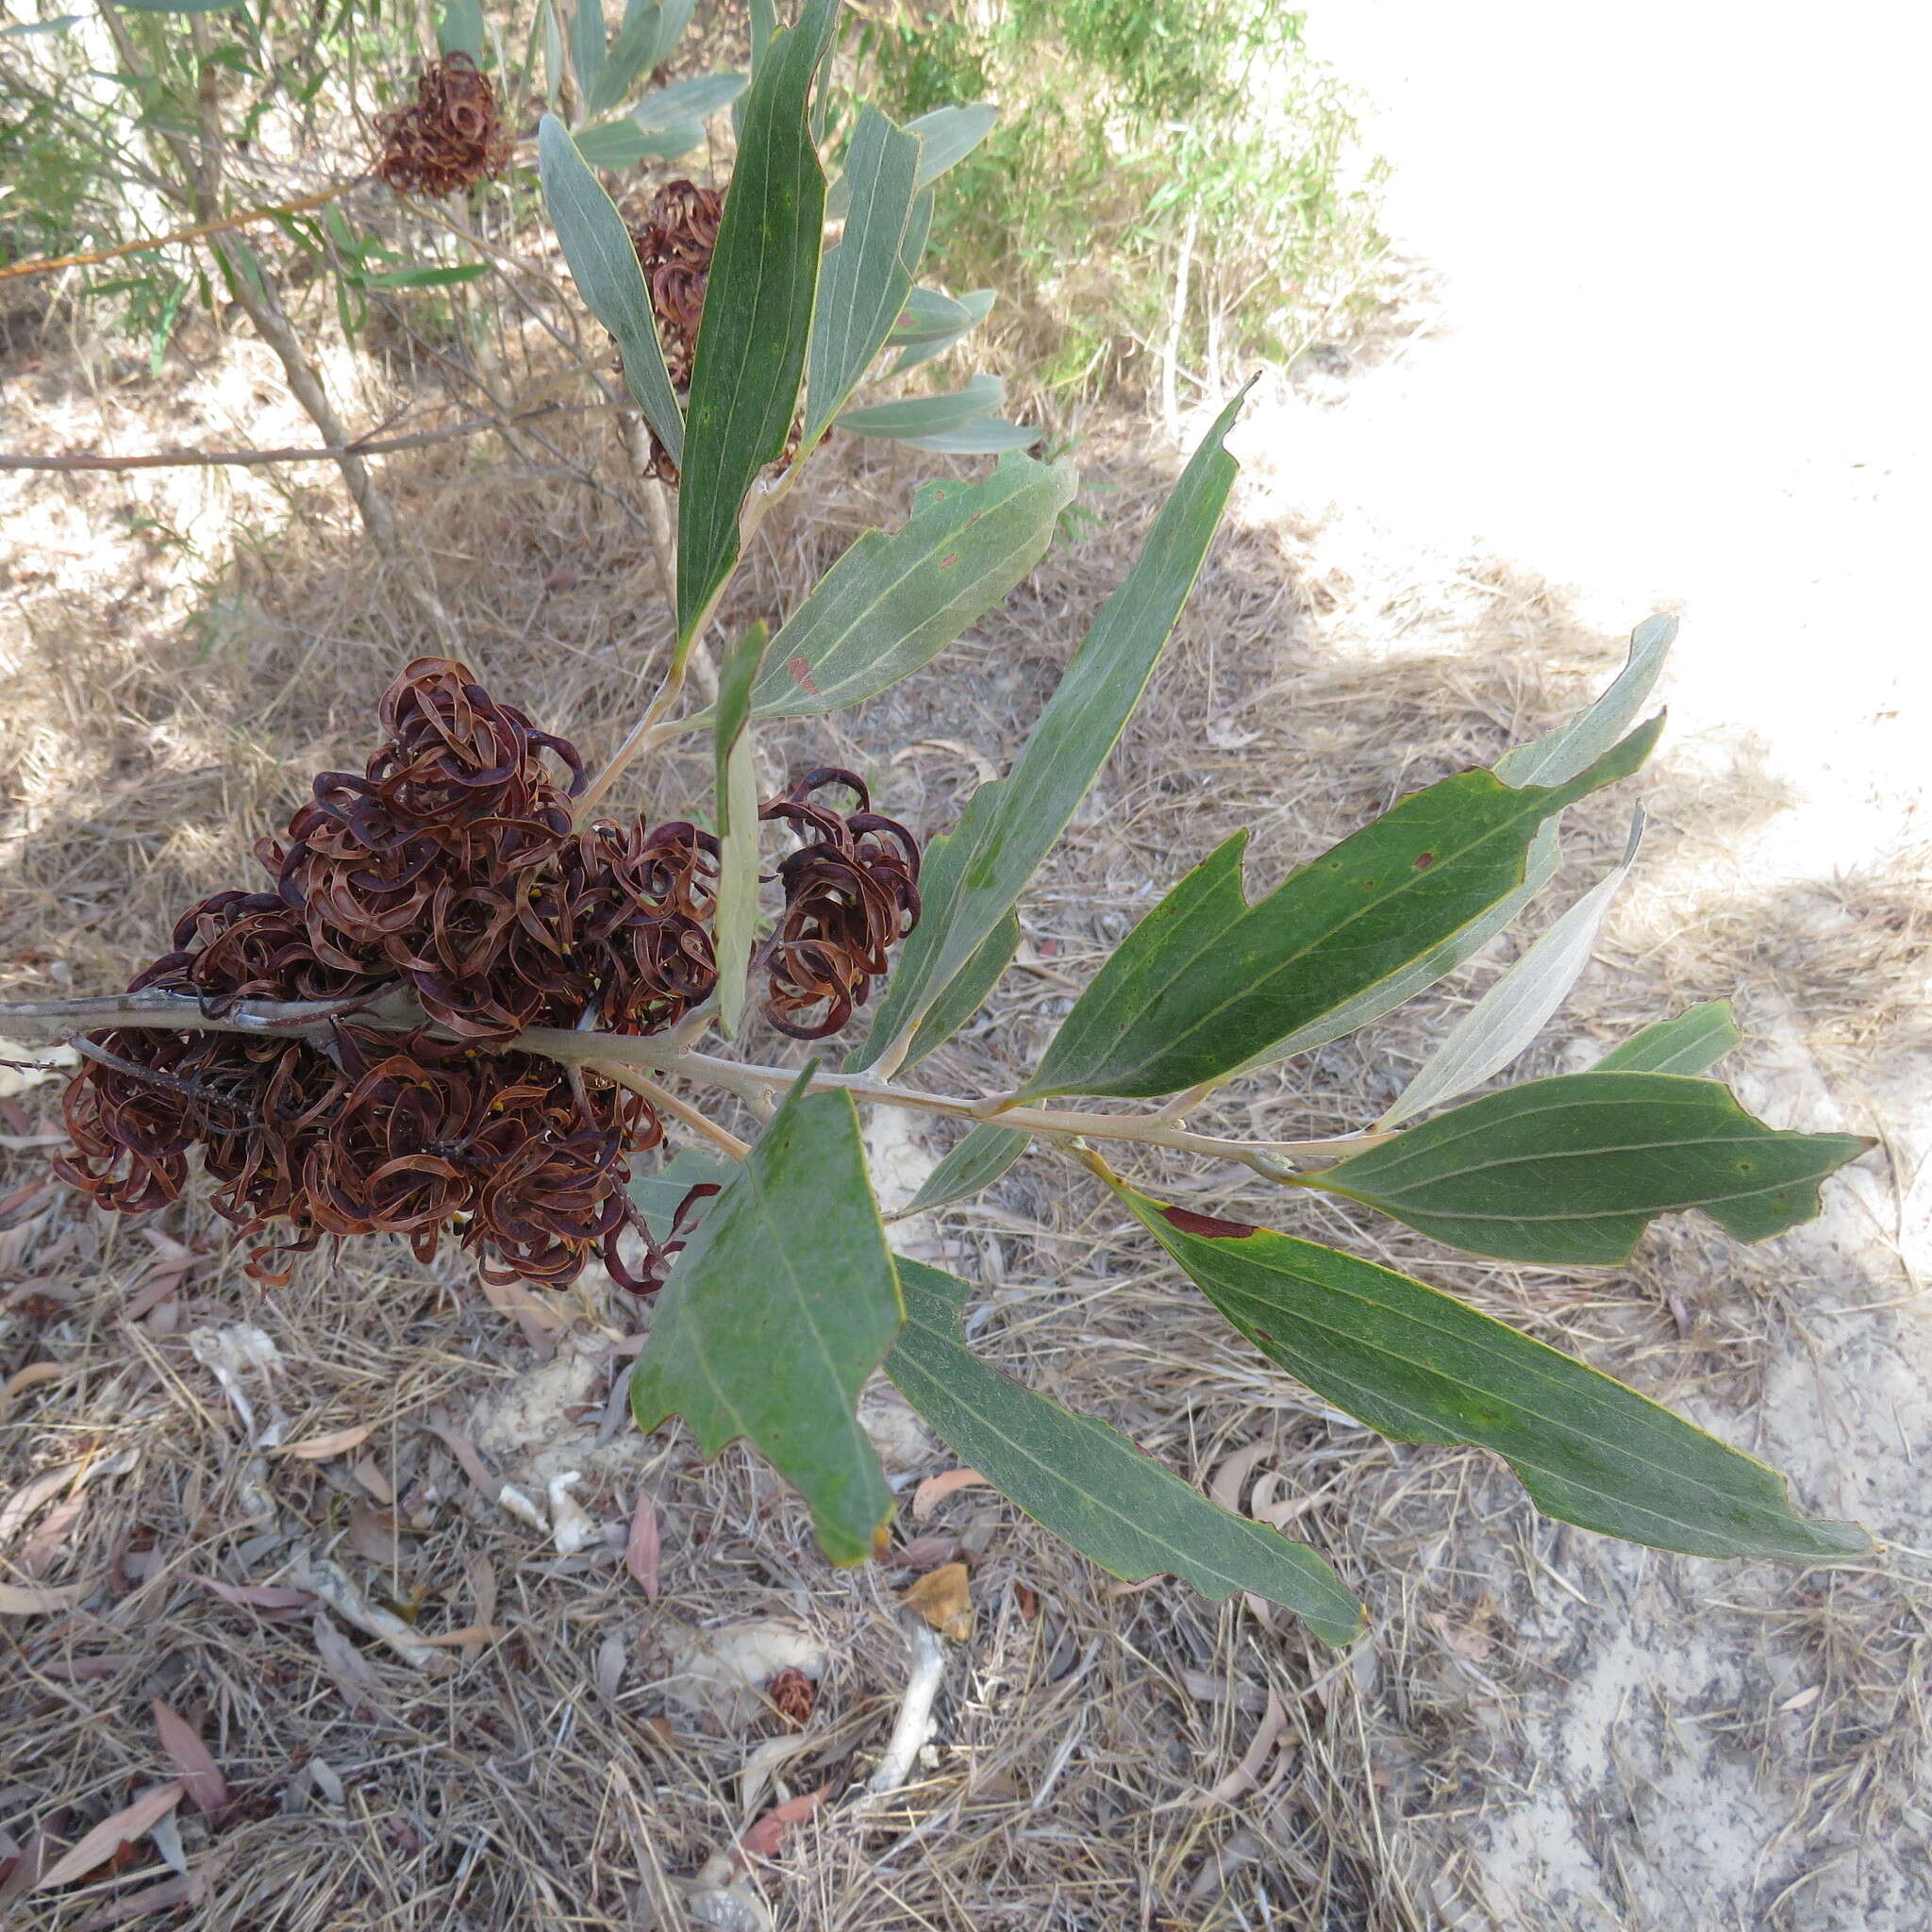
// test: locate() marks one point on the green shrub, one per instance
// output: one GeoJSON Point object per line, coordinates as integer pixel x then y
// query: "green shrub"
{"type": "Point", "coordinates": [1123, 120]}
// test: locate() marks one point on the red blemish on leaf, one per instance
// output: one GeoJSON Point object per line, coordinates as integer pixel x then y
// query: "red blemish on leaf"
{"type": "Point", "coordinates": [1424, 861]}
{"type": "Point", "coordinates": [1207, 1227]}
{"type": "Point", "coordinates": [800, 668]}
{"type": "Point", "coordinates": [948, 562]}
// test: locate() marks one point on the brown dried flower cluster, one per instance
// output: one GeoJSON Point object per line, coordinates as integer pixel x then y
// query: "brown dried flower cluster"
{"type": "Point", "coordinates": [449, 138]}
{"type": "Point", "coordinates": [850, 894]}
{"type": "Point", "coordinates": [445, 879]}
{"type": "Point", "coordinates": [675, 244]}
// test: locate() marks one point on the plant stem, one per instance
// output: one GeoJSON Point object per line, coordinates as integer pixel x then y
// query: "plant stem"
{"type": "Point", "coordinates": [46, 265]}
{"type": "Point", "coordinates": [375, 446]}
{"type": "Point", "coordinates": [606, 1052]}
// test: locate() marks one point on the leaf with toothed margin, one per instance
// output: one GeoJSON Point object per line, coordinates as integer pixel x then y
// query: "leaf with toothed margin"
{"type": "Point", "coordinates": [1207, 984]}
{"type": "Point", "coordinates": [773, 1318]}
{"type": "Point", "coordinates": [1553, 759]}
{"type": "Point", "coordinates": [1570, 1171]}
{"type": "Point", "coordinates": [1419, 1366]}
{"type": "Point", "coordinates": [1088, 1482]}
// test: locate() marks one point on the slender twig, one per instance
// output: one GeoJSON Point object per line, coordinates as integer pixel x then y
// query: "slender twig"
{"type": "Point", "coordinates": [663, 1098]}
{"type": "Point", "coordinates": [645, 730]}
{"type": "Point", "coordinates": [46, 265]}
{"type": "Point", "coordinates": [757, 1085]}
{"type": "Point", "coordinates": [372, 446]}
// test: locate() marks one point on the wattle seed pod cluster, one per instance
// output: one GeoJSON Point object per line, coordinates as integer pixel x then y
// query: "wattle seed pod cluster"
{"type": "Point", "coordinates": [448, 138]}
{"type": "Point", "coordinates": [438, 903]}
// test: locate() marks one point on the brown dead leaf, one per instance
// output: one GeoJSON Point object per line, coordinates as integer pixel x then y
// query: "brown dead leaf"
{"type": "Point", "coordinates": [372, 1534]}
{"type": "Point", "coordinates": [1232, 1476]}
{"type": "Point", "coordinates": [353, 1674]}
{"type": "Point", "coordinates": [42, 1600]}
{"type": "Point", "coordinates": [944, 1598]}
{"type": "Point", "coordinates": [128, 1825]}
{"type": "Point", "coordinates": [926, 1552]}
{"type": "Point", "coordinates": [201, 1776]}
{"type": "Point", "coordinates": [337, 1443]}
{"type": "Point", "coordinates": [369, 1474]}
{"type": "Point", "coordinates": [468, 1634]}
{"type": "Point", "coordinates": [1246, 1775]}
{"type": "Point", "coordinates": [188, 1890]}
{"type": "Point", "coordinates": [465, 1453]}
{"type": "Point", "coordinates": [26, 1502]}
{"type": "Point", "coordinates": [38, 1553]}
{"type": "Point", "coordinates": [23, 1379]}
{"type": "Point", "coordinates": [936, 1489]}
{"type": "Point", "coordinates": [83, 1670]}
{"type": "Point", "coordinates": [641, 1551]}
{"type": "Point", "coordinates": [258, 1596]}
{"type": "Point", "coordinates": [762, 1840]}
{"type": "Point", "coordinates": [482, 1579]}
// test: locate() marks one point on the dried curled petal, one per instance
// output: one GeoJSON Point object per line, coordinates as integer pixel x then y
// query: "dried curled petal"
{"type": "Point", "coordinates": [850, 894]}
{"type": "Point", "coordinates": [448, 138]}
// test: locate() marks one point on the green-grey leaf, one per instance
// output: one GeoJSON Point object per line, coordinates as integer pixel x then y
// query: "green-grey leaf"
{"type": "Point", "coordinates": [976, 306]}
{"type": "Point", "coordinates": [1207, 984]}
{"type": "Point", "coordinates": [1561, 753]}
{"type": "Point", "coordinates": [442, 275]}
{"type": "Point", "coordinates": [1693, 1042]}
{"type": "Point", "coordinates": [989, 436]}
{"type": "Point", "coordinates": [603, 264]}
{"type": "Point", "coordinates": [20, 29]}
{"type": "Point", "coordinates": [892, 603]}
{"type": "Point", "coordinates": [865, 280]}
{"type": "Point", "coordinates": [1517, 1007]}
{"type": "Point", "coordinates": [175, 5]}
{"type": "Point", "coordinates": [1419, 1366]}
{"type": "Point", "coordinates": [1088, 1482]}
{"type": "Point", "coordinates": [974, 1165]}
{"type": "Point", "coordinates": [963, 996]}
{"type": "Point", "coordinates": [751, 348]}
{"type": "Point", "coordinates": [658, 1196]}
{"type": "Point", "coordinates": [674, 16]}
{"type": "Point", "coordinates": [686, 101]}
{"type": "Point", "coordinates": [773, 1318]}
{"type": "Point", "coordinates": [973, 875]}
{"type": "Point", "coordinates": [950, 135]}
{"type": "Point", "coordinates": [1570, 1171]}
{"type": "Point", "coordinates": [587, 46]}
{"type": "Point", "coordinates": [461, 29]}
{"type": "Point", "coordinates": [927, 415]}
{"type": "Point", "coordinates": [623, 144]}
{"type": "Point", "coordinates": [1549, 760]}
{"type": "Point", "coordinates": [628, 57]}
{"type": "Point", "coordinates": [927, 316]}
{"type": "Point", "coordinates": [735, 920]}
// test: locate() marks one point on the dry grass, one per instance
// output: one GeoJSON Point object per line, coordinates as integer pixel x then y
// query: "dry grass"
{"type": "Point", "coordinates": [164, 708]}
